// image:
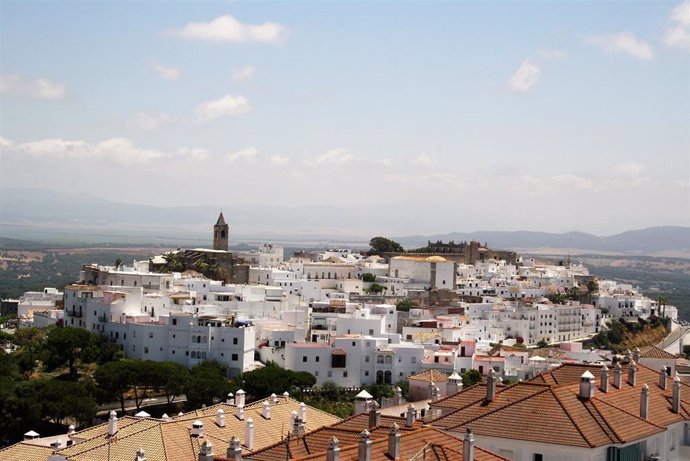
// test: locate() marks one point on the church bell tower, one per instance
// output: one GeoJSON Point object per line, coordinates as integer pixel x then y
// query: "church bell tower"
{"type": "Point", "coordinates": [220, 234]}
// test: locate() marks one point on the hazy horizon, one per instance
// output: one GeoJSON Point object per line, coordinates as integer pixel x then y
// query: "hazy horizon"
{"type": "Point", "coordinates": [411, 118]}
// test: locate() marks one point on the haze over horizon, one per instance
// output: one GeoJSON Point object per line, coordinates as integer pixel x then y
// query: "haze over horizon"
{"type": "Point", "coordinates": [427, 117]}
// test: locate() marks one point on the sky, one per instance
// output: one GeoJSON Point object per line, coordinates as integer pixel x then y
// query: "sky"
{"type": "Point", "coordinates": [457, 116]}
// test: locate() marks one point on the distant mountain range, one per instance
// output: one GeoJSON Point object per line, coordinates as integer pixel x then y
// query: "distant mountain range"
{"type": "Point", "coordinates": [54, 216]}
{"type": "Point", "coordinates": [644, 241]}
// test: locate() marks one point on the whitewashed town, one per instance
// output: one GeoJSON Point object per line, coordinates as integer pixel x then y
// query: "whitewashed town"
{"type": "Point", "coordinates": [422, 320]}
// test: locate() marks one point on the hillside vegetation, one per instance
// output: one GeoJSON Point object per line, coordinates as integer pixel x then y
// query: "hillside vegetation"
{"type": "Point", "coordinates": [622, 335]}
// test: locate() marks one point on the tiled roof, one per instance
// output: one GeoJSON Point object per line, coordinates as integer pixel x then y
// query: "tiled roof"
{"type": "Point", "coordinates": [550, 410]}
{"type": "Point", "coordinates": [430, 376]}
{"type": "Point", "coordinates": [653, 352]}
{"type": "Point", "coordinates": [25, 451]}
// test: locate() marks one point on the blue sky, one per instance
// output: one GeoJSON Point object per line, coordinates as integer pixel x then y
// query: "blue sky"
{"type": "Point", "coordinates": [549, 116]}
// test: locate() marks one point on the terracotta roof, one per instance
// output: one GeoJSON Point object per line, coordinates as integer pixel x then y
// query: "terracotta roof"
{"type": "Point", "coordinates": [549, 409]}
{"type": "Point", "coordinates": [653, 352]}
{"type": "Point", "coordinates": [430, 376]}
{"type": "Point", "coordinates": [25, 451]}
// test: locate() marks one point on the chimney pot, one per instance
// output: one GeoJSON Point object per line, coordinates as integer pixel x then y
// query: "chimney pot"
{"type": "Point", "coordinates": [197, 429]}
{"type": "Point", "coordinates": [364, 448]}
{"type": "Point", "coordinates": [333, 451]}
{"type": "Point", "coordinates": [618, 375]}
{"type": "Point", "coordinates": [663, 375]}
{"type": "Point", "coordinates": [239, 398]}
{"type": "Point", "coordinates": [468, 446]}
{"type": "Point", "coordinates": [644, 401]}
{"type": "Point", "coordinates": [490, 385]}
{"type": "Point", "coordinates": [636, 354]}
{"type": "Point", "coordinates": [112, 424]}
{"type": "Point", "coordinates": [303, 412]}
{"type": "Point", "coordinates": [240, 413]}
{"type": "Point", "coordinates": [249, 434]}
{"type": "Point", "coordinates": [230, 399]}
{"type": "Point", "coordinates": [220, 418]}
{"type": "Point", "coordinates": [141, 455]}
{"type": "Point", "coordinates": [411, 415]}
{"type": "Point", "coordinates": [394, 442]}
{"type": "Point", "coordinates": [675, 406]}
{"type": "Point", "coordinates": [234, 449]}
{"type": "Point", "coordinates": [586, 385]}
{"type": "Point", "coordinates": [266, 410]}
{"type": "Point", "coordinates": [632, 373]}
{"type": "Point", "coordinates": [206, 451]}
{"type": "Point", "coordinates": [604, 379]}
{"type": "Point", "coordinates": [374, 416]}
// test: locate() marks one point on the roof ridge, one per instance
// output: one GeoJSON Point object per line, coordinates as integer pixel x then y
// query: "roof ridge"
{"type": "Point", "coordinates": [627, 413]}
{"type": "Point", "coordinates": [498, 408]}
{"type": "Point", "coordinates": [577, 427]}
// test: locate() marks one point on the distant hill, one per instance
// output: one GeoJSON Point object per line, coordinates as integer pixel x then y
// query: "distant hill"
{"type": "Point", "coordinates": [643, 241]}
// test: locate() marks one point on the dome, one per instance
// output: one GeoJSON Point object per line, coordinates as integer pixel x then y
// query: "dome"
{"type": "Point", "coordinates": [436, 259]}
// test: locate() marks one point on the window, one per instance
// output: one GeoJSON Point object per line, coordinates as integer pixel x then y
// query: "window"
{"type": "Point", "coordinates": [317, 358]}
{"type": "Point", "coordinates": [345, 374]}
{"type": "Point", "coordinates": [304, 358]}
{"type": "Point", "coordinates": [538, 457]}
{"type": "Point", "coordinates": [366, 359]}
{"type": "Point", "coordinates": [174, 321]}
{"type": "Point", "coordinates": [413, 359]}
{"type": "Point", "coordinates": [371, 331]}
{"type": "Point", "coordinates": [150, 334]}
{"type": "Point", "coordinates": [235, 357]}
{"type": "Point", "coordinates": [234, 340]}
{"type": "Point", "coordinates": [366, 372]}
{"type": "Point", "coordinates": [330, 373]}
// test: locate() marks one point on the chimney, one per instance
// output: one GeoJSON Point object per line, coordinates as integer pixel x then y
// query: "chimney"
{"type": "Point", "coordinates": [240, 413]}
{"type": "Point", "coordinates": [298, 427]}
{"type": "Point", "coordinates": [435, 394]}
{"type": "Point", "coordinates": [374, 415]}
{"type": "Point", "coordinates": [454, 384]}
{"type": "Point", "coordinates": [676, 394]}
{"type": "Point", "coordinates": [490, 385]}
{"type": "Point", "coordinates": [230, 399]}
{"type": "Point", "coordinates": [618, 375]}
{"type": "Point", "coordinates": [166, 418]}
{"type": "Point", "coordinates": [627, 357]}
{"type": "Point", "coordinates": [274, 398]}
{"type": "Point", "coordinates": [632, 373]}
{"type": "Point", "coordinates": [141, 455]}
{"type": "Point", "coordinates": [604, 379]}
{"type": "Point", "coordinates": [586, 385]}
{"type": "Point", "coordinates": [364, 449]}
{"type": "Point", "coordinates": [197, 429]}
{"type": "Point", "coordinates": [398, 396]}
{"type": "Point", "coordinates": [662, 378]}
{"type": "Point", "coordinates": [266, 410]}
{"type": "Point", "coordinates": [56, 445]}
{"type": "Point", "coordinates": [249, 434]}
{"type": "Point", "coordinates": [71, 429]}
{"type": "Point", "coordinates": [234, 449]}
{"type": "Point", "coordinates": [220, 418]}
{"type": "Point", "coordinates": [180, 414]}
{"type": "Point", "coordinates": [430, 390]}
{"type": "Point", "coordinates": [31, 435]}
{"type": "Point", "coordinates": [468, 446]}
{"type": "Point", "coordinates": [112, 424]}
{"type": "Point", "coordinates": [206, 451]}
{"type": "Point", "coordinates": [333, 451]}
{"type": "Point", "coordinates": [636, 354]}
{"type": "Point", "coordinates": [303, 412]}
{"type": "Point", "coordinates": [394, 443]}
{"type": "Point", "coordinates": [644, 401]}
{"type": "Point", "coordinates": [286, 394]}
{"type": "Point", "coordinates": [239, 398]}
{"type": "Point", "coordinates": [411, 416]}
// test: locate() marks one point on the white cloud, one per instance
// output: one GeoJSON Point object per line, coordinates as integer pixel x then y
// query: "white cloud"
{"type": "Point", "coordinates": [149, 120]}
{"type": "Point", "coordinates": [248, 153]}
{"type": "Point", "coordinates": [111, 151]}
{"type": "Point", "coordinates": [243, 73]}
{"type": "Point", "coordinates": [336, 156]}
{"type": "Point", "coordinates": [5, 143]}
{"type": "Point", "coordinates": [279, 160]}
{"type": "Point", "coordinates": [678, 32]}
{"type": "Point", "coordinates": [631, 170]}
{"type": "Point", "coordinates": [574, 181]}
{"type": "Point", "coordinates": [423, 161]}
{"type": "Point", "coordinates": [228, 29]}
{"type": "Point", "coordinates": [527, 75]}
{"type": "Point", "coordinates": [225, 106]}
{"type": "Point", "coordinates": [622, 42]}
{"type": "Point", "coordinates": [167, 73]}
{"type": "Point", "coordinates": [38, 88]}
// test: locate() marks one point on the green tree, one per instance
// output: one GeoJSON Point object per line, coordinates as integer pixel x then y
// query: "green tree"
{"type": "Point", "coordinates": [375, 289]}
{"type": "Point", "coordinates": [169, 377]}
{"type": "Point", "coordinates": [264, 381]}
{"type": "Point", "coordinates": [206, 382]}
{"type": "Point", "coordinates": [114, 380]}
{"type": "Point", "coordinates": [542, 344]}
{"type": "Point", "coordinates": [368, 277]}
{"type": "Point", "coordinates": [404, 305]}
{"type": "Point", "coordinates": [471, 377]}
{"type": "Point", "coordinates": [380, 245]}
{"type": "Point", "coordinates": [65, 345]}
{"type": "Point", "coordinates": [65, 399]}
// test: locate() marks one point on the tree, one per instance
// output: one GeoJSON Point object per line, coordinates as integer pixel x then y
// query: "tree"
{"type": "Point", "coordinates": [206, 382]}
{"type": "Point", "coordinates": [368, 277]}
{"type": "Point", "coordinates": [471, 377]}
{"type": "Point", "coordinates": [65, 345]}
{"type": "Point", "coordinates": [542, 344]}
{"type": "Point", "coordinates": [65, 399]}
{"type": "Point", "coordinates": [170, 377]}
{"type": "Point", "coordinates": [380, 245]}
{"type": "Point", "coordinates": [404, 305]}
{"type": "Point", "coordinates": [114, 379]}
{"type": "Point", "coordinates": [375, 289]}
{"type": "Point", "coordinates": [264, 381]}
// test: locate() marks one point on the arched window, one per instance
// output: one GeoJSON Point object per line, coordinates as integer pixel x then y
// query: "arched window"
{"type": "Point", "coordinates": [379, 359]}
{"type": "Point", "coordinates": [389, 360]}
{"type": "Point", "coordinates": [388, 377]}
{"type": "Point", "coordinates": [193, 354]}
{"type": "Point", "coordinates": [379, 377]}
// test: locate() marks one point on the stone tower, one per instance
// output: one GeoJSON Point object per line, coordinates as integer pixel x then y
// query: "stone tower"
{"type": "Point", "coordinates": [220, 234]}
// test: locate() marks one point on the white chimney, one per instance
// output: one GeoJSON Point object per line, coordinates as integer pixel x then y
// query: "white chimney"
{"type": "Point", "coordinates": [71, 429]}
{"type": "Point", "coordinates": [266, 410]}
{"type": "Point", "coordinates": [230, 399]}
{"type": "Point", "coordinates": [675, 406]}
{"type": "Point", "coordinates": [430, 390]}
{"type": "Point", "coordinates": [333, 451]}
{"type": "Point", "coordinates": [180, 414]}
{"type": "Point", "coordinates": [240, 413]}
{"type": "Point", "coordinates": [303, 412]}
{"type": "Point", "coordinates": [362, 402]}
{"type": "Point", "coordinates": [286, 394]}
{"type": "Point", "coordinates": [141, 455]}
{"type": "Point", "coordinates": [239, 398]}
{"type": "Point", "coordinates": [618, 375]}
{"type": "Point", "coordinates": [411, 415]}
{"type": "Point", "coordinates": [468, 446]}
{"type": "Point", "coordinates": [297, 427]}
{"type": "Point", "coordinates": [197, 429]}
{"type": "Point", "coordinates": [454, 384]}
{"type": "Point", "coordinates": [112, 424]}
{"type": "Point", "coordinates": [249, 434]}
{"type": "Point", "coordinates": [586, 385]}
{"type": "Point", "coordinates": [632, 373]}
{"type": "Point", "coordinates": [364, 448]}
{"type": "Point", "coordinates": [234, 449]}
{"type": "Point", "coordinates": [398, 396]}
{"type": "Point", "coordinates": [31, 435]}
{"type": "Point", "coordinates": [274, 398]}
{"type": "Point", "coordinates": [220, 418]}
{"type": "Point", "coordinates": [374, 415]}
{"type": "Point", "coordinates": [206, 451]}
{"type": "Point", "coordinates": [644, 401]}
{"type": "Point", "coordinates": [394, 442]}
{"type": "Point", "coordinates": [662, 378]}
{"type": "Point", "coordinates": [490, 385]}
{"type": "Point", "coordinates": [604, 385]}
{"type": "Point", "coordinates": [636, 354]}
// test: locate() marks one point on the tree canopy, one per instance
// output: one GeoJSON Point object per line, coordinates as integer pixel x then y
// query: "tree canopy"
{"type": "Point", "coordinates": [380, 245]}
